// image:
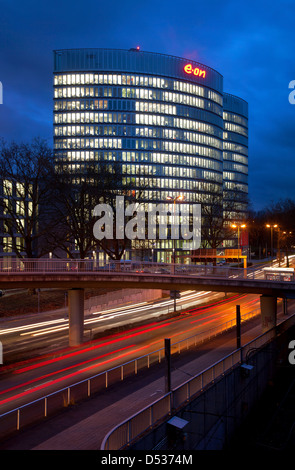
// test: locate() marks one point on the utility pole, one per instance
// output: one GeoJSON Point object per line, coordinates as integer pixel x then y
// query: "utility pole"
{"type": "Point", "coordinates": [168, 365]}
{"type": "Point", "coordinates": [238, 322]}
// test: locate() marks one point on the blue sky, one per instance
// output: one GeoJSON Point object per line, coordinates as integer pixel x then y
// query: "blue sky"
{"type": "Point", "coordinates": [250, 43]}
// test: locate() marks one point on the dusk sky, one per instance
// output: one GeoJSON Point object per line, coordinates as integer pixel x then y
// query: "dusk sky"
{"type": "Point", "coordinates": [250, 43]}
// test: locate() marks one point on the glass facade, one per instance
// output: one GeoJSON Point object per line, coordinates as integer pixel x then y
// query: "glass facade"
{"type": "Point", "coordinates": [163, 124]}
{"type": "Point", "coordinates": [235, 155]}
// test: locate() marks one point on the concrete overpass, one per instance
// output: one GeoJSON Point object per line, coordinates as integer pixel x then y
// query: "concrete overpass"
{"type": "Point", "coordinates": [77, 275]}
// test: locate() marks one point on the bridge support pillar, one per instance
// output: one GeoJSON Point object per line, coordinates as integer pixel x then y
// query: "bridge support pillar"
{"type": "Point", "coordinates": [76, 316]}
{"type": "Point", "coordinates": [268, 306]}
{"type": "Point", "coordinates": [285, 306]}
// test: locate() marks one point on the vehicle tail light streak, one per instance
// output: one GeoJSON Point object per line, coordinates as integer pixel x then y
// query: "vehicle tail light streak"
{"type": "Point", "coordinates": [118, 337]}
{"type": "Point", "coordinates": [111, 356]}
{"type": "Point", "coordinates": [85, 350]}
{"type": "Point", "coordinates": [71, 375]}
{"type": "Point", "coordinates": [60, 379]}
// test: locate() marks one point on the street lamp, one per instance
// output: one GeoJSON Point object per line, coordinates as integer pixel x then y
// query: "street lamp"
{"type": "Point", "coordinates": [174, 199]}
{"type": "Point", "coordinates": [238, 226]}
{"type": "Point", "coordinates": [271, 237]}
{"type": "Point", "coordinates": [287, 240]}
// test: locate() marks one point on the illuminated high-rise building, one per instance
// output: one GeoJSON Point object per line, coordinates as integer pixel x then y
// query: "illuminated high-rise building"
{"type": "Point", "coordinates": [162, 117]}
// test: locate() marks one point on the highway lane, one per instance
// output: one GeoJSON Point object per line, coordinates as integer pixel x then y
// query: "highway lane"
{"type": "Point", "coordinates": [38, 378]}
{"type": "Point", "coordinates": [22, 337]}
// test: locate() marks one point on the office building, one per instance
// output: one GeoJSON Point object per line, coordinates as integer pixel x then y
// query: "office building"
{"type": "Point", "coordinates": [166, 120]}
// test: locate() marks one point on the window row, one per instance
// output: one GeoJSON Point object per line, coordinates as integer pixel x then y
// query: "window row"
{"type": "Point", "coordinates": [235, 148]}
{"type": "Point", "coordinates": [235, 128]}
{"type": "Point", "coordinates": [75, 118]}
{"type": "Point", "coordinates": [235, 118]}
{"type": "Point", "coordinates": [151, 132]}
{"type": "Point", "coordinates": [7, 244]}
{"type": "Point", "coordinates": [171, 171]}
{"type": "Point", "coordinates": [143, 119]}
{"type": "Point", "coordinates": [87, 143]}
{"type": "Point", "coordinates": [181, 110]}
{"type": "Point", "coordinates": [153, 107]}
{"type": "Point", "coordinates": [230, 186]}
{"type": "Point", "coordinates": [157, 95]}
{"type": "Point", "coordinates": [167, 159]}
{"type": "Point", "coordinates": [171, 183]}
{"type": "Point", "coordinates": [138, 93]}
{"type": "Point", "coordinates": [236, 138]}
{"type": "Point", "coordinates": [139, 157]}
{"type": "Point", "coordinates": [147, 107]}
{"type": "Point", "coordinates": [18, 206]}
{"type": "Point", "coordinates": [235, 157]}
{"type": "Point", "coordinates": [136, 80]}
{"type": "Point", "coordinates": [134, 93]}
{"type": "Point", "coordinates": [169, 121]}
{"type": "Point", "coordinates": [158, 145]}
{"type": "Point", "coordinates": [235, 167]}
{"type": "Point", "coordinates": [232, 176]}
{"type": "Point", "coordinates": [192, 197]}
{"type": "Point", "coordinates": [79, 105]}
{"type": "Point", "coordinates": [177, 147]}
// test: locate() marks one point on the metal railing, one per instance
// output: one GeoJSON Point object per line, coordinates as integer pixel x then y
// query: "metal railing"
{"type": "Point", "coordinates": [47, 405]}
{"type": "Point", "coordinates": [91, 266]}
{"type": "Point", "coordinates": [160, 410]}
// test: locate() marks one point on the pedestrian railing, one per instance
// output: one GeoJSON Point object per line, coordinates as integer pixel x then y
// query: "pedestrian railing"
{"type": "Point", "coordinates": [50, 404]}
{"type": "Point", "coordinates": [162, 409]}
{"type": "Point", "coordinates": [138, 268]}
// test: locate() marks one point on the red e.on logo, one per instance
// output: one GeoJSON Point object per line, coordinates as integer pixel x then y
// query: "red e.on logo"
{"type": "Point", "coordinates": [189, 69]}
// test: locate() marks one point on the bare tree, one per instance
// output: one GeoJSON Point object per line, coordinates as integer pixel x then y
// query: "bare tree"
{"type": "Point", "coordinates": [77, 196]}
{"type": "Point", "coordinates": [115, 247]}
{"type": "Point", "coordinates": [217, 215]}
{"type": "Point", "coordinates": [26, 175]}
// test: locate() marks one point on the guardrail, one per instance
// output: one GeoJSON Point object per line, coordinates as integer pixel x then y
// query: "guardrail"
{"type": "Point", "coordinates": [46, 406]}
{"type": "Point", "coordinates": [160, 410]}
{"type": "Point", "coordinates": [91, 266]}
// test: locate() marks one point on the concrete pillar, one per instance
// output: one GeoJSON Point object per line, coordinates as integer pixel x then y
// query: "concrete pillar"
{"type": "Point", "coordinates": [268, 306]}
{"type": "Point", "coordinates": [76, 316]}
{"type": "Point", "coordinates": [285, 306]}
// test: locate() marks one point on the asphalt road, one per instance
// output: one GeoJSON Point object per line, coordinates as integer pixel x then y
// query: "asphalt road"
{"type": "Point", "coordinates": [33, 379]}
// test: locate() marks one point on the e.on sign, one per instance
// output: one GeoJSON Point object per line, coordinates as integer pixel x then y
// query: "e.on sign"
{"type": "Point", "coordinates": [189, 69]}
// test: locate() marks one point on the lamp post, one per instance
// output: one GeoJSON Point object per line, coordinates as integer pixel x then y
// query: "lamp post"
{"type": "Point", "coordinates": [271, 238]}
{"type": "Point", "coordinates": [174, 199]}
{"type": "Point", "coordinates": [238, 226]}
{"type": "Point", "coordinates": [287, 240]}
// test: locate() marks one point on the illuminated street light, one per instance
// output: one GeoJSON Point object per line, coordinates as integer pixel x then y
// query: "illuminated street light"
{"type": "Point", "coordinates": [271, 236]}
{"type": "Point", "coordinates": [238, 226]}
{"type": "Point", "coordinates": [174, 199]}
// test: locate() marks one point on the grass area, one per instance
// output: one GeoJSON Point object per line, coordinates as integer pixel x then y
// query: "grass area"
{"type": "Point", "coordinates": [26, 301]}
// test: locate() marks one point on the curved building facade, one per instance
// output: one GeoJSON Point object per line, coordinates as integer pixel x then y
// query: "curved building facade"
{"type": "Point", "coordinates": [160, 116]}
{"type": "Point", "coordinates": [235, 155]}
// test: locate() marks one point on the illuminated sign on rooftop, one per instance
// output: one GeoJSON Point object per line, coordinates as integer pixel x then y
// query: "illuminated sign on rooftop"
{"type": "Point", "coordinates": [189, 69]}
